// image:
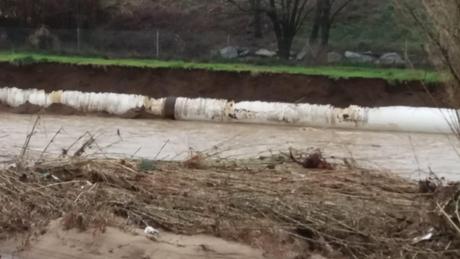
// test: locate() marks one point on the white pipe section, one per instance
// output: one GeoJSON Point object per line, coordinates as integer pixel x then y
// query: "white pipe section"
{"type": "Point", "coordinates": [411, 119]}
{"type": "Point", "coordinates": [430, 120]}
{"type": "Point", "coordinates": [15, 97]}
{"type": "Point", "coordinates": [299, 114]}
{"type": "Point", "coordinates": [397, 118]}
{"type": "Point", "coordinates": [154, 106]}
{"type": "Point", "coordinates": [117, 104]}
{"type": "Point", "coordinates": [199, 109]}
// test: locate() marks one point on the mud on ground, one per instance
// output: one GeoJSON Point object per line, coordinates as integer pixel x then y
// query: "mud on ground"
{"type": "Point", "coordinates": [128, 243]}
{"type": "Point", "coordinates": [272, 204]}
{"type": "Point", "coordinates": [228, 85]}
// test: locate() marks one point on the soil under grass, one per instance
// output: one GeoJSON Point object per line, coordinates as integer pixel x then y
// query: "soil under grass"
{"type": "Point", "coordinates": [339, 87]}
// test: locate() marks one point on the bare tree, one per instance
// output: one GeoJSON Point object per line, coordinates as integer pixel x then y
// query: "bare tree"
{"type": "Point", "coordinates": [439, 21]}
{"type": "Point", "coordinates": [7, 8]}
{"type": "Point", "coordinates": [287, 18]}
{"type": "Point", "coordinates": [54, 13]}
{"type": "Point", "coordinates": [326, 12]}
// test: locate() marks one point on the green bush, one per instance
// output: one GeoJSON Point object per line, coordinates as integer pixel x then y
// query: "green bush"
{"type": "Point", "coordinates": [22, 61]}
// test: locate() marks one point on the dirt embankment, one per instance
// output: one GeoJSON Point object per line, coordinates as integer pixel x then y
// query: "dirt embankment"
{"type": "Point", "coordinates": [228, 85]}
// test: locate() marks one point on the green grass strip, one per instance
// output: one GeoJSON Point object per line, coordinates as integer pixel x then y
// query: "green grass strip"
{"type": "Point", "coordinates": [345, 72]}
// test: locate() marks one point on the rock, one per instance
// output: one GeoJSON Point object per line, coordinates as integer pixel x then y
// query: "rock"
{"type": "Point", "coordinates": [150, 231]}
{"type": "Point", "coordinates": [4, 41]}
{"type": "Point", "coordinates": [265, 53]}
{"type": "Point", "coordinates": [243, 52]}
{"type": "Point", "coordinates": [42, 38]}
{"type": "Point", "coordinates": [371, 54]}
{"type": "Point", "coordinates": [306, 52]}
{"type": "Point", "coordinates": [351, 54]}
{"type": "Point", "coordinates": [301, 55]}
{"type": "Point", "coordinates": [356, 57]}
{"type": "Point", "coordinates": [334, 57]}
{"type": "Point", "coordinates": [391, 58]}
{"type": "Point", "coordinates": [229, 52]}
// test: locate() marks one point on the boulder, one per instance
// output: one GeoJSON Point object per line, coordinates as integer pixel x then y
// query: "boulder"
{"type": "Point", "coordinates": [243, 52]}
{"type": "Point", "coordinates": [302, 54]}
{"type": "Point", "coordinates": [265, 53]}
{"type": "Point", "coordinates": [42, 38]}
{"type": "Point", "coordinates": [391, 58]}
{"type": "Point", "coordinates": [371, 53]}
{"type": "Point", "coordinates": [229, 52]}
{"type": "Point", "coordinates": [356, 57]}
{"type": "Point", "coordinates": [4, 41]}
{"type": "Point", "coordinates": [334, 57]}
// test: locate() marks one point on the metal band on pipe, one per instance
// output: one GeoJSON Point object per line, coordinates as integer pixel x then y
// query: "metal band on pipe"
{"type": "Point", "coordinates": [169, 109]}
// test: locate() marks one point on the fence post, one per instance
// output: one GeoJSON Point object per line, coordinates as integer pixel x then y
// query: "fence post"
{"type": "Point", "coordinates": [78, 38]}
{"type": "Point", "coordinates": [158, 44]}
{"type": "Point", "coordinates": [78, 18]}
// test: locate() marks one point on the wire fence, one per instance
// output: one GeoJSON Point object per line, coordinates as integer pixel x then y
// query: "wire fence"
{"type": "Point", "coordinates": [154, 43]}
{"type": "Point", "coordinates": [165, 44]}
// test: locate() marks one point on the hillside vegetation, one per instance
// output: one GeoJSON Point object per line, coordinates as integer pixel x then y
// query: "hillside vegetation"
{"type": "Point", "coordinates": [365, 25]}
{"type": "Point", "coordinates": [187, 29]}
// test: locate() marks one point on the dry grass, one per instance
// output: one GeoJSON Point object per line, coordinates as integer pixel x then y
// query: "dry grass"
{"type": "Point", "coordinates": [350, 213]}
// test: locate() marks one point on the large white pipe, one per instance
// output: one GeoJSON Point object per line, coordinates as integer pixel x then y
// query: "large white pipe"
{"type": "Point", "coordinates": [431, 120]}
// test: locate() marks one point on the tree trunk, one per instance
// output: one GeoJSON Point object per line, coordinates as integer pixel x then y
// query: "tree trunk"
{"type": "Point", "coordinates": [279, 34]}
{"type": "Point", "coordinates": [321, 23]}
{"type": "Point", "coordinates": [316, 23]}
{"type": "Point", "coordinates": [284, 46]}
{"type": "Point", "coordinates": [326, 22]}
{"type": "Point", "coordinates": [286, 25]}
{"type": "Point", "coordinates": [257, 19]}
{"type": "Point", "coordinates": [325, 34]}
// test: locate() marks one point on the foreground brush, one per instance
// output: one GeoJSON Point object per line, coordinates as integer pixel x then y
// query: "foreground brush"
{"type": "Point", "coordinates": [275, 205]}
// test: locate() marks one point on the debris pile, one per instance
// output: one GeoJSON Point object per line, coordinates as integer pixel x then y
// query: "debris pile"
{"type": "Point", "coordinates": [338, 213]}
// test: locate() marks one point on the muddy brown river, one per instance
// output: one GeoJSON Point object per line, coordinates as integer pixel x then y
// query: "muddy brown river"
{"type": "Point", "coordinates": [409, 155]}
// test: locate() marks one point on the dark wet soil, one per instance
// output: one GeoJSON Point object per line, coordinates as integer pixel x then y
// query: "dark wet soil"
{"type": "Point", "coordinates": [228, 85]}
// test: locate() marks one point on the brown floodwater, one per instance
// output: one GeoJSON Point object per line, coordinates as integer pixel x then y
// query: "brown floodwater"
{"type": "Point", "coordinates": [409, 155]}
